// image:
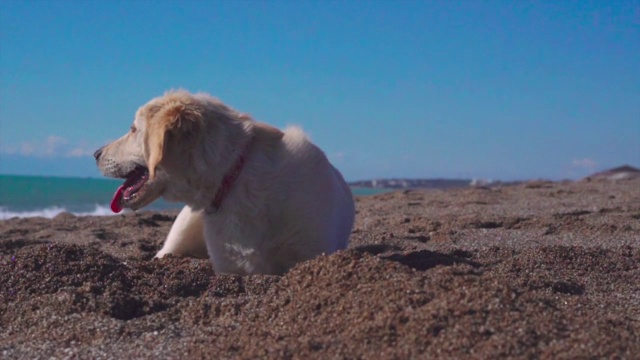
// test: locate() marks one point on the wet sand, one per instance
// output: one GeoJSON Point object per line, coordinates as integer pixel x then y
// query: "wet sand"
{"type": "Point", "coordinates": [537, 270]}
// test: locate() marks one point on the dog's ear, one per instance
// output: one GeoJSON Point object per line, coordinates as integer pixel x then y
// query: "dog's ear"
{"type": "Point", "coordinates": [175, 120]}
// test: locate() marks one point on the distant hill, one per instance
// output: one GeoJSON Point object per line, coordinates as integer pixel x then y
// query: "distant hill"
{"type": "Point", "coordinates": [619, 173]}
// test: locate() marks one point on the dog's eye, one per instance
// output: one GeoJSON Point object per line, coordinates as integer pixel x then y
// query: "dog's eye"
{"type": "Point", "coordinates": [133, 129]}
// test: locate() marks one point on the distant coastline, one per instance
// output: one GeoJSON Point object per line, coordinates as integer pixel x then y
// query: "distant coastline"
{"type": "Point", "coordinates": [623, 172]}
{"type": "Point", "coordinates": [397, 183]}
{"type": "Point", "coordinates": [411, 183]}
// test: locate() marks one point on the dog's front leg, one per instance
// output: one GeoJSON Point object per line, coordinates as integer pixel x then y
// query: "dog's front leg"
{"type": "Point", "coordinates": [186, 236]}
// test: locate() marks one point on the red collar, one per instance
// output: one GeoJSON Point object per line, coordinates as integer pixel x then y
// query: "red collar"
{"type": "Point", "coordinates": [228, 181]}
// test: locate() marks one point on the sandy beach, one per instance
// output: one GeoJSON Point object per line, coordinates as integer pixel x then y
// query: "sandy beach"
{"type": "Point", "coordinates": [535, 270]}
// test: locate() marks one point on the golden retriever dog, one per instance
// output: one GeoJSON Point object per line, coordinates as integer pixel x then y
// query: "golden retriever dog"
{"type": "Point", "coordinates": [258, 200]}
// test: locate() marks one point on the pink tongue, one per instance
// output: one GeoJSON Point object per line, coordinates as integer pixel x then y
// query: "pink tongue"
{"type": "Point", "coordinates": [116, 202]}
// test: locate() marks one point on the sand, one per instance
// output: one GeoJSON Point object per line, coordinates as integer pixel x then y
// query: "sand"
{"type": "Point", "coordinates": [537, 270]}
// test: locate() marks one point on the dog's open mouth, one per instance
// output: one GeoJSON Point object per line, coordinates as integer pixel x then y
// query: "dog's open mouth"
{"type": "Point", "coordinates": [130, 188]}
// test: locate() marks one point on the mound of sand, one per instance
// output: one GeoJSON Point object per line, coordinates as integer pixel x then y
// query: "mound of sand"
{"type": "Point", "coordinates": [539, 269]}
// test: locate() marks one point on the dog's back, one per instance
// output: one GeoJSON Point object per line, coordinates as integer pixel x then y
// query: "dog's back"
{"type": "Point", "coordinates": [289, 205]}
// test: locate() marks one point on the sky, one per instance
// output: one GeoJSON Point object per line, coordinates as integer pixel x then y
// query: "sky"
{"type": "Point", "coordinates": [501, 90]}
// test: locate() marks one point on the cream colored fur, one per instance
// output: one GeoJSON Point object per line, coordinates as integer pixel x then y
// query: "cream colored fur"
{"type": "Point", "coordinates": [289, 204]}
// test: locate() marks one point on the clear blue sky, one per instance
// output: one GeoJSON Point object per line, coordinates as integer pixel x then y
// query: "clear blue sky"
{"type": "Point", "coordinates": [485, 89]}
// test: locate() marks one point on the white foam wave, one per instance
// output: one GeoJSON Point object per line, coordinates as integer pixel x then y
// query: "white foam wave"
{"type": "Point", "coordinates": [50, 212]}
{"type": "Point", "coordinates": [100, 210]}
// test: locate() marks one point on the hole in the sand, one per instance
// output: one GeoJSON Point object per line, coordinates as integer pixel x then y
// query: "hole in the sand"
{"type": "Point", "coordinates": [375, 249]}
{"type": "Point", "coordinates": [462, 253]}
{"type": "Point", "coordinates": [567, 287]}
{"type": "Point", "coordinates": [486, 224]}
{"type": "Point", "coordinates": [162, 217]}
{"type": "Point", "coordinates": [574, 213]}
{"type": "Point", "coordinates": [127, 307]}
{"type": "Point", "coordinates": [418, 238]}
{"type": "Point", "coordinates": [148, 222]}
{"type": "Point", "coordinates": [147, 246]}
{"type": "Point", "coordinates": [424, 260]}
{"type": "Point", "coordinates": [104, 234]}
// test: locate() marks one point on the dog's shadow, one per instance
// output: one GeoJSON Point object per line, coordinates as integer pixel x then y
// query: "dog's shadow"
{"type": "Point", "coordinates": [421, 260]}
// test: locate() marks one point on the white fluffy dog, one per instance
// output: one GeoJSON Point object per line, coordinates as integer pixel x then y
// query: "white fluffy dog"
{"type": "Point", "coordinates": [258, 200]}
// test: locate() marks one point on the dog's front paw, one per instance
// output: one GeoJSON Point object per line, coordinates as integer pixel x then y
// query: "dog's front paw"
{"type": "Point", "coordinates": [161, 254]}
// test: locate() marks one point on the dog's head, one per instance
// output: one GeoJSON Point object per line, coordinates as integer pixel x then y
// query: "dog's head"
{"type": "Point", "coordinates": [165, 152]}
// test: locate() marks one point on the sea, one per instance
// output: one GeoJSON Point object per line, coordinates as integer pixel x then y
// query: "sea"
{"type": "Point", "coordinates": [45, 196]}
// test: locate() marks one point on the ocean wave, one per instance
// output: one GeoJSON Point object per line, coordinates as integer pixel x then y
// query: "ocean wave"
{"type": "Point", "coordinates": [50, 212]}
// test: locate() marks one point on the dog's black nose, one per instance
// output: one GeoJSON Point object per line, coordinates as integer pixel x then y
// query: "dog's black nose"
{"type": "Point", "coordinates": [98, 153]}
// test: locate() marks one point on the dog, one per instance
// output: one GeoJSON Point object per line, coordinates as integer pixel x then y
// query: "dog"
{"type": "Point", "coordinates": [258, 200]}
